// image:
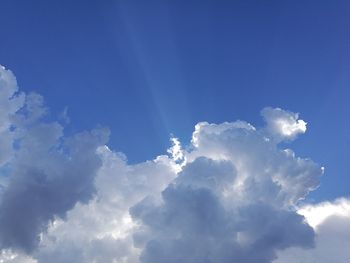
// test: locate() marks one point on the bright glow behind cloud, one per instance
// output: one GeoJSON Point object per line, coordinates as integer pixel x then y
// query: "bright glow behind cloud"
{"type": "Point", "coordinates": [317, 214]}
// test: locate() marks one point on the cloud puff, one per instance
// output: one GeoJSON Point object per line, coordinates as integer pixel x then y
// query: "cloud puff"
{"type": "Point", "coordinates": [47, 174]}
{"type": "Point", "coordinates": [101, 231]}
{"type": "Point", "coordinates": [231, 195]}
{"type": "Point", "coordinates": [10, 103]}
{"type": "Point", "coordinates": [232, 201]}
{"type": "Point", "coordinates": [331, 221]}
{"type": "Point", "coordinates": [282, 125]}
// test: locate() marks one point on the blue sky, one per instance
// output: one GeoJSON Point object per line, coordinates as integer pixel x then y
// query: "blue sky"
{"type": "Point", "coordinates": [150, 69]}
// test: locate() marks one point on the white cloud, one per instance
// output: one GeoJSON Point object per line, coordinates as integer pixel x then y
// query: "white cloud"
{"type": "Point", "coordinates": [282, 125]}
{"type": "Point", "coordinates": [231, 201]}
{"type": "Point", "coordinates": [316, 214]}
{"type": "Point", "coordinates": [175, 150]}
{"type": "Point", "coordinates": [101, 231]}
{"type": "Point", "coordinates": [45, 173]}
{"type": "Point", "coordinates": [331, 221]}
{"type": "Point", "coordinates": [10, 102]}
{"type": "Point", "coordinates": [8, 256]}
{"type": "Point", "coordinates": [229, 196]}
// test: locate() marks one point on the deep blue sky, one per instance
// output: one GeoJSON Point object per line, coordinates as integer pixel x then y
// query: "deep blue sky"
{"type": "Point", "coordinates": [150, 68]}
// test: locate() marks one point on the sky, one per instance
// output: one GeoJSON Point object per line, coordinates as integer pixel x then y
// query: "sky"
{"type": "Point", "coordinates": [122, 85]}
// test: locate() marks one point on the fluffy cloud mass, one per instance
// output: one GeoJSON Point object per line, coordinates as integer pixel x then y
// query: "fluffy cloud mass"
{"type": "Point", "coordinates": [44, 173]}
{"type": "Point", "coordinates": [331, 221]}
{"type": "Point", "coordinates": [230, 196]}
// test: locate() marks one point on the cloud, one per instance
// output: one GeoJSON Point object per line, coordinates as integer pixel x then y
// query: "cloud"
{"type": "Point", "coordinates": [10, 103]}
{"type": "Point", "coordinates": [232, 201]}
{"type": "Point", "coordinates": [47, 173]}
{"type": "Point", "coordinates": [331, 221]}
{"type": "Point", "coordinates": [101, 231]}
{"type": "Point", "coordinates": [282, 125]}
{"type": "Point", "coordinates": [230, 196]}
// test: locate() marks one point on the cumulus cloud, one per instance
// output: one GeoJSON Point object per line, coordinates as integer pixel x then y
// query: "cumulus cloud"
{"type": "Point", "coordinates": [282, 125]}
{"type": "Point", "coordinates": [331, 221]}
{"type": "Point", "coordinates": [232, 201]}
{"type": "Point", "coordinates": [101, 231]}
{"type": "Point", "coordinates": [10, 103]}
{"type": "Point", "coordinates": [47, 173]}
{"type": "Point", "coordinates": [230, 196]}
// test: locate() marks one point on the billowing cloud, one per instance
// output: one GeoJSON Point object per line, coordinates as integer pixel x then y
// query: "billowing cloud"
{"type": "Point", "coordinates": [46, 173]}
{"type": "Point", "coordinates": [282, 125]}
{"type": "Point", "coordinates": [10, 103]}
{"type": "Point", "coordinates": [232, 195]}
{"type": "Point", "coordinates": [232, 201]}
{"type": "Point", "coordinates": [331, 221]}
{"type": "Point", "coordinates": [102, 230]}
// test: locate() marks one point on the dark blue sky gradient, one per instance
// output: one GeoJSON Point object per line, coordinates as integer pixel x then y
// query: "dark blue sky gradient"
{"type": "Point", "coordinates": [150, 68]}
